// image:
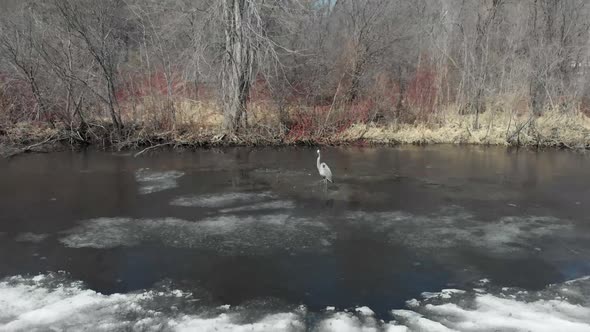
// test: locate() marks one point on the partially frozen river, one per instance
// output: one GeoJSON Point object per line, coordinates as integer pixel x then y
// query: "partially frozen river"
{"type": "Point", "coordinates": [437, 238]}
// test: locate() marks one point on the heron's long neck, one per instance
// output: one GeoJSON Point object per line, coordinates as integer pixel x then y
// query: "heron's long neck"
{"type": "Point", "coordinates": [318, 162]}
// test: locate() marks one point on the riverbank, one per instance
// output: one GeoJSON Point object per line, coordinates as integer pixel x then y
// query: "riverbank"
{"type": "Point", "coordinates": [551, 130]}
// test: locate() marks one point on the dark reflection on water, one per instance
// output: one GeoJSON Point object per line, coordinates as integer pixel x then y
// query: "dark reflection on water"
{"type": "Point", "coordinates": [346, 263]}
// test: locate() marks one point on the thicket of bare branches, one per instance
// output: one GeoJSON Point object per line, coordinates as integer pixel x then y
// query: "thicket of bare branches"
{"type": "Point", "coordinates": [290, 65]}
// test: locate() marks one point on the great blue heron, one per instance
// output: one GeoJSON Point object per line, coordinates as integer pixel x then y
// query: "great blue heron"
{"type": "Point", "coordinates": [324, 170]}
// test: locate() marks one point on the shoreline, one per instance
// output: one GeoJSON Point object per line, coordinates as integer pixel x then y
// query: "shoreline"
{"type": "Point", "coordinates": [553, 130]}
{"type": "Point", "coordinates": [155, 143]}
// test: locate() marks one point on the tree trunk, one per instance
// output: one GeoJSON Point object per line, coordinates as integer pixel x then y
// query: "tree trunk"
{"type": "Point", "coordinates": [37, 94]}
{"type": "Point", "coordinates": [536, 88]}
{"type": "Point", "coordinates": [355, 80]}
{"type": "Point", "coordinates": [537, 93]}
{"type": "Point", "coordinates": [238, 63]}
{"type": "Point", "coordinates": [113, 105]}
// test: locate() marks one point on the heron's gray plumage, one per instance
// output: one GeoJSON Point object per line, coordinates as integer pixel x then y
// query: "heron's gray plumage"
{"type": "Point", "coordinates": [323, 169]}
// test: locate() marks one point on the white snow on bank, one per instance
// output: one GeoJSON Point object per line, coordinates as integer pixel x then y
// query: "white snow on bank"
{"type": "Point", "coordinates": [453, 227]}
{"type": "Point", "coordinates": [228, 322]}
{"type": "Point", "coordinates": [347, 322]}
{"type": "Point", "coordinates": [52, 302]}
{"type": "Point", "coordinates": [220, 200]}
{"type": "Point", "coordinates": [151, 181]}
{"type": "Point", "coordinates": [28, 304]}
{"type": "Point", "coordinates": [557, 308]}
{"type": "Point", "coordinates": [226, 234]}
{"type": "Point", "coordinates": [444, 294]}
{"type": "Point", "coordinates": [413, 321]}
{"type": "Point", "coordinates": [366, 311]}
{"type": "Point", "coordinates": [493, 313]}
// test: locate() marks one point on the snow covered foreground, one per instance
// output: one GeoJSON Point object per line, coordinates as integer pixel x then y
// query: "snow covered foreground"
{"type": "Point", "coordinates": [53, 302]}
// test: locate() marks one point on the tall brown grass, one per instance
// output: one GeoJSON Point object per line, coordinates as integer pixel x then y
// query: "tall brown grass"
{"type": "Point", "coordinates": [151, 121]}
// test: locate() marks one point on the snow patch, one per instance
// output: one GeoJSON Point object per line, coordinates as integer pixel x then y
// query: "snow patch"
{"type": "Point", "coordinates": [412, 303]}
{"type": "Point", "coordinates": [549, 310]}
{"type": "Point", "coordinates": [502, 314]}
{"type": "Point", "coordinates": [227, 322]}
{"type": "Point", "coordinates": [347, 322]}
{"type": "Point", "coordinates": [365, 311]}
{"type": "Point", "coordinates": [396, 328]}
{"type": "Point", "coordinates": [444, 294]}
{"type": "Point", "coordinates": [416, 322]}
{"type": "Point", "coordinates": [38, 303]}
{"type": "Point", "coordinates": [52, 302]}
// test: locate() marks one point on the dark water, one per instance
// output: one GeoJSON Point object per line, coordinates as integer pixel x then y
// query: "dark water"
{"type": "Point", "coordinates": [249, 224]}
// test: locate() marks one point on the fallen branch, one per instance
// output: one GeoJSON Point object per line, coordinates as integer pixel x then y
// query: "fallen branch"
{"type": "Point", "coordinates": [519, 129]}
{"type": "Point", "coordinates": [151, 147]}
{"type": "Point", "coordinates": [30, 147]}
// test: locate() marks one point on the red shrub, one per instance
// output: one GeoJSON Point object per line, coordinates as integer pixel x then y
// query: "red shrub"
{"type": "Point", "coordinates": [138, 85]}
{"type": "Point", "coordinates": [422, 91]}
{"type": "Point", "coordinates": [17, 102]}
{"type": "Point", "coordinates": [319, 120]}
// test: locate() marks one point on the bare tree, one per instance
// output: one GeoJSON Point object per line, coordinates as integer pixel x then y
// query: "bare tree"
{"type": "Point", "coordinates": [486, 16]}
{"type": "Point", "coordinates": [18, 45]}
{"type": "Point", "coordinates": [239, 16]}
{"type": "Point", "coordinates": [97, 27]}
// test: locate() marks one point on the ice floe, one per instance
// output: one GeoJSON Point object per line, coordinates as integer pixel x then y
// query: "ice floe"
{"type": "Point", "coordinates": [270, 205]}
{"type": "Point", "coordinates": [453, 227]}
{"type": "Point", "coordinates": [220, 200]}
{"type": "Point", "coordinates": [154, 181]}
{"type": "Point", "coordinates": [31, 237]}
{"type": "Point", "coordinates": [224, 233]}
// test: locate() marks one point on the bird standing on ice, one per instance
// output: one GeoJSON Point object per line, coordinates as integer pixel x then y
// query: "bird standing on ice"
{"type": "Point", "coordinates": [324, 170]}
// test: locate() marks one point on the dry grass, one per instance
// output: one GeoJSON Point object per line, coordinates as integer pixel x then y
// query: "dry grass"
{"type": "Point", "coordinates": [29, 132]}
{"type": "Point", "coordinates": [159, 113]}
{"type": "Point", "coordinates": [28, 136]}
{"type": "Point", "coordinates": [205, 116]}
{"type": "Point", "coordinates": [194, 123]}
{"type": "Point", "coordinates": [554, 128]}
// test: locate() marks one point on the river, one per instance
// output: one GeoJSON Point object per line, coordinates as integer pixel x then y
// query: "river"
{"type": "Point", "coordinates": [436, 238]}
